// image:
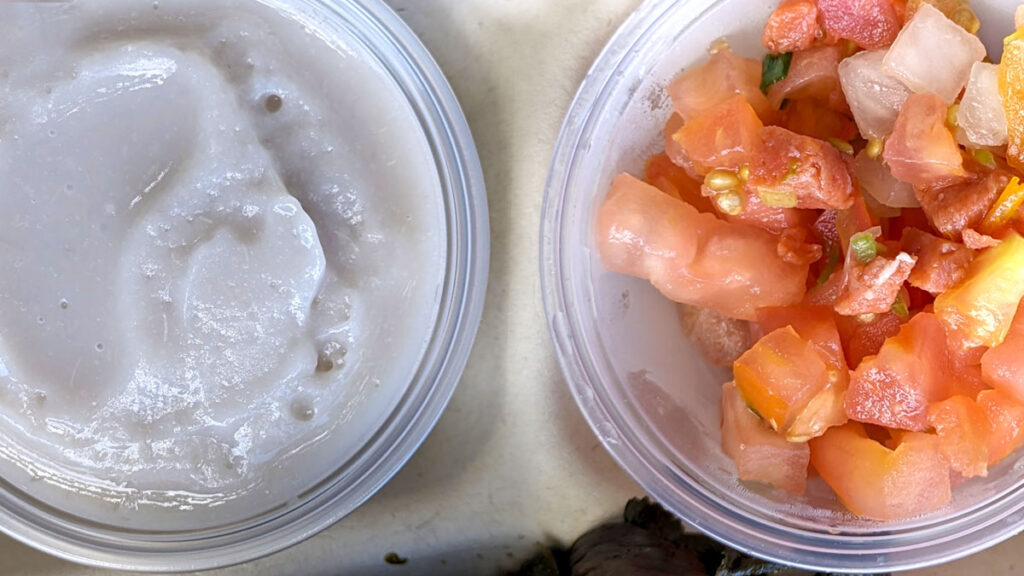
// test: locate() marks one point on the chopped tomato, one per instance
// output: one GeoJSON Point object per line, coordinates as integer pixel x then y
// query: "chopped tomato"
{"type": "Point", "coordinates": [975, 240]}
{"type": "Point", "coordinates": [795, 171]}
{"type": "Point", "coordinates": [672, 149]}
{"type": "Point", "coordinates": [792, 26]}
{"type": "Point", "coordinates": [941, 264]}
{"type": "Point", "coordinates": [816, 324]}
{"type": "Point", "coordinates": [953, 209]}
{"type": "Point", "coordinates": [812, 118]}
{"type": "Point", "coordinates": [719, 339]}
{"type": "Point", "coordinates": [759, 453]}
{"type": "Point", "coordinates": [825, 293]}
{"type": "Point", "coordinates": [908, 218]}
{"type": "Point", "coordinates": [870, 23]}
{"type": "Point", "coordinates": [779, 377]}
{"type": "Point", "coordinates": [1003, 366]}
{"type": "Point", "coordinates": [980, 309]}
{"type": "Point", "coordinates": [921, 150]}
{"type": "Point", "coordinates": [725, 136]}
{"type": "Point", "coordinates": [813, 73]}
{"type": "Point", "coordinates": [794, 248]}
{"type": "Point", "coordinates": [1005, 209]}
{"type": "Point", "coordinates": [863, 336]}
{"type": "Point", "coordinates": [874, 481]}
{"type": "Point", "coordinates": [850, 221]}
{"type": "Point", "coordinates": [664, 175]}
{"type": "Point", "coordinates": [724, 76]}
{"type": "Point", "coordinates": [691, 257]}
{"type": "Point", "coordinates": [910, 372]}
{"type": "Point", "coordinates": [771, 218]}
{"type": "Point", "coordinates": [1011, 88]}
{"type": "Point", "coordinates": [1006, 414]}
{"type": "Point", "coordinates": [872, 287]}
{"type": "Point", "coordinates": [964, 431]}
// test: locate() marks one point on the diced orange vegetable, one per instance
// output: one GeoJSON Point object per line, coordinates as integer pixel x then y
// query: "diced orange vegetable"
{"type": "Point", "coordinates": [879, 483]}
{"type": "Point", "coordinates": [956, 208]}
{"type": "Point", "coordinates": [1005, 208]}
{"type": "Point", "coordinates": [760, 454]}
{"type": "Point", "coordinates": [941, 264]}
{"type": "Point", "coordinates": [1006, 415]}
{"type": "Point", "coordinates": [870, 23]}
{"type": "Point", "coordinates": [725, 75]}
{"type": "Point", "coordinates": [958, 11]}
{"type": "Point", "coordinates": [964, 431]}
{"type": "Point", "coordinates": [864, 336]}
{"type": "Point", "coordinates": [664, 175]}
{"type": "Point", "coordinates": [693, 258]}
{"type": "Point", "coordinates": [921, 150]}
{"type": "Point", "coordinates": [795, 171]}
{"type": "Point", "coordinates": [1003, 366]}
{"type": "Point", "coordinates": [910, 372]}
{"type": "Point", "coordinates": [979, 309]}
{"type": "Point", "coordinates": [726, 136]}
{"type": "Point", "coordinates": [1011, 88]}
{"type": "Point", "coordinates": [792, 26]}
{"type": "Point", "coordinates": [779, 376]}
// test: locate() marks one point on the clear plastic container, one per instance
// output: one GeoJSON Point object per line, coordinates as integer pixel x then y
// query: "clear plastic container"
{"type": "Point", "coordinates": [646, 392]}
{"type": "Point", "coordinates": [374, 27]}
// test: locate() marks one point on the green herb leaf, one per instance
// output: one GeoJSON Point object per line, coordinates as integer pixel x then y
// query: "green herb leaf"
{"type": "Point", "coordinates": [774, 67]}
{"type": "Point", "coordinates": [985, 158]}
{"type": "Point", "coordinates": [864, 246]}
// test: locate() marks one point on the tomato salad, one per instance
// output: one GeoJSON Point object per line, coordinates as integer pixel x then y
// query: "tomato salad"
{"type": "Point", "coordinates": [841, 223]}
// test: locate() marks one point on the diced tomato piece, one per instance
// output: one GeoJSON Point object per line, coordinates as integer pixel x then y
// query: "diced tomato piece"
{"type": "Point", "coordinates": [870, 23]}
{"type": "Point", "coordinates": [826, 226]}
{"type": "Point", "coordinates": [662, 173]}
{"type": "Point", "coordinates": [980, 309]}
{"type": "Point", "coordinates": [963, 430]}
{"type": "Point", "coordinates": [719, 339]}
{"type": "Point", "coordinates": [792, 26]}
{"type": "Point", "coordinates": [825, 294]}
{"type": "Point", "coordinates": [921, 150]}
{"type": "Point", "coordinates": [691, 257]}
{"type": "Point", "coordinates": [1003, 366]}
{"type": "Point", "coordinates": [726, 136]}
{"type": "Point", "coordinates": [779, 376]}
{"type": "Point", "coordinates": [1011, 88]}
{"type": "Point", "coordinates": [771, 218]}
{"type": "Point", "coordinates": [941, 264]}
{"type": "Point", "coordinates": [1006, 414]}
{"type": "Point", "coordinates": [910, 372]}
{"type": "Point", "coordinates": [954, 209]}
{"type": "Point", "coordinates": [725, 75]}
{"type": "Point", "coordinates": [975, 240]}
{"type": "Point", "coordinates": [908, 218]}
{"type": "Point", "coordinates": [812, 118]}
{"type": "Point", "coordinates": [816, 324]}
{"type": "Point", "coordinates": [794, 248]}
{"type": "Point", "coordinates": [672, 125]}
{"type": "Point", "coordinates": [760, 454]}
{"type": "Point", "coordinates": [864, 336]}
{"type": "Point", "coordinates": [813, 73]}
{"type": "Point", "coordinates": [966, 379]}
{"type": "Point", "coordinates": [799, 171]}
{"type": "Point", "coordinates": [874, 481]}
{"type": "Point", "coordinates": [857, 218]}
{"type": "Point", "coordinates": [872, 288]}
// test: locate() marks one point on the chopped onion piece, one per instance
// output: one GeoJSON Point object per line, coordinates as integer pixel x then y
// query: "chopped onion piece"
{"type": "Point", "coordinates": [874, 96]}
{"type": "Point", "coordinates": [981, 118]}
{"type": "Point", "coordinates": [877, 181]}
{"type": "Point", "coordinates": [933, 54]}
